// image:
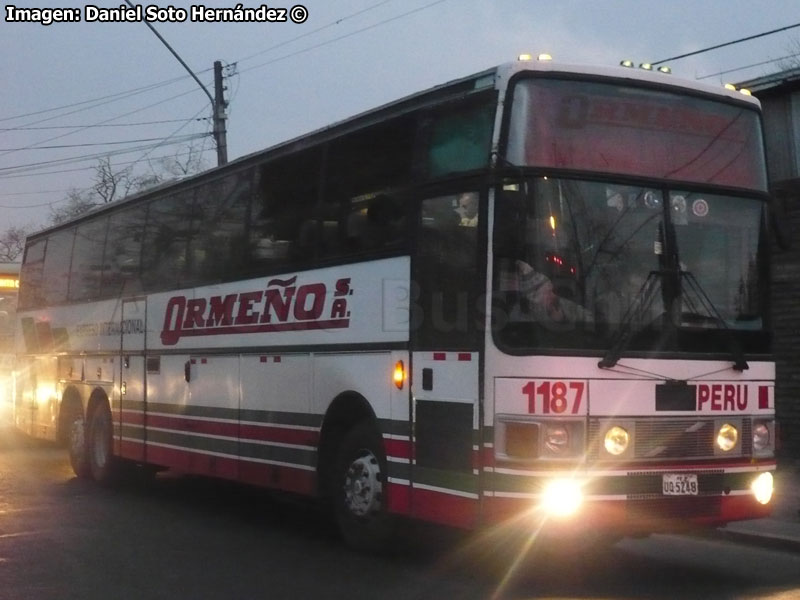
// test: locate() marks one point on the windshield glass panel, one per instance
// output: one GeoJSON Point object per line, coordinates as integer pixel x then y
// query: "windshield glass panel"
{"type": "Point", "coordinates": [606, 127]}
{"type": "Point", "coordinates": [574, 261]}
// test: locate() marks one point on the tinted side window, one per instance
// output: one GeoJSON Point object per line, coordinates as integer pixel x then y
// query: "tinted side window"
{"type": "Point", "coordinates": [55, 276]}
{"type": "Point", "coordinates": [459, 138]}
{"type": "Point", "coordinates": [285, 226]}
{"type": "Point", "coordinates": [30, 289]}
{"type": "Point", "coordinates": [171, 224]}
{"type": "Point", "coordinates": [446, 273]}
{"type": "Point", "coordinates": [219, 246]}
{"type": "Point", "coordinates": [123, 253]}
{"type": "Point", "coordinates": [87, 260]}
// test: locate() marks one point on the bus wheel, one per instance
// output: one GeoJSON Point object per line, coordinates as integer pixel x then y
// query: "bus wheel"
{"type": "Point", "coordinates": [360, 495]}
{"type": "Point", "coordinates": [76, 441]}
{"type": "Point", "coordinates": [99, 446]}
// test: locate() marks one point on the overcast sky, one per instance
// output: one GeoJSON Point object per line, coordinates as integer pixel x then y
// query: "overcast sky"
{"type": "Point", "coordinates": [66, 84]}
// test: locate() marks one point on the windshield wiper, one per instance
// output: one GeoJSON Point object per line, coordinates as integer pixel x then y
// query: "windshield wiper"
{"type": "Point", "coordinates": [644, 301]}
{"type": "Point", "coordinates": [710, 315]}
{"type": "Point", "coordinates": [636, 311]}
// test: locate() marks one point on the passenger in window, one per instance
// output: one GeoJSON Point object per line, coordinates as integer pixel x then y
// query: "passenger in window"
{"type": "Point", "coordinates": [468, 209]}
{"type": "Point", "coordinates": [539, 297]}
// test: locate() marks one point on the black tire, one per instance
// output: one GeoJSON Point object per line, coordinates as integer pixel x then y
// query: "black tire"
{"type": "Point", "coordinates": [99, 444]}
{"type": "Point", "coordinates": [359, 494]}
{"type": "Point", "coordinates": [75, 438]}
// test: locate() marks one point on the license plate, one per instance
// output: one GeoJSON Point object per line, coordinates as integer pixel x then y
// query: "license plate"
{"type": "Point", "coordinates": [679, 484]}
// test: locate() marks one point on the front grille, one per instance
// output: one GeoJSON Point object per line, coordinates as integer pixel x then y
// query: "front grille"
{"type": "Point", "coordinates": [670, 438]}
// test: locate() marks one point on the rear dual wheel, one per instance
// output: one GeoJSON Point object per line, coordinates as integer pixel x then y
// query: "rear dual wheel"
{"type": "Point", "coordinates": [99, 448]}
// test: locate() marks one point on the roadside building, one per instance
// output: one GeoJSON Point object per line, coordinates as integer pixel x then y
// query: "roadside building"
{"type": "Point", "coordinates": [779, 94]}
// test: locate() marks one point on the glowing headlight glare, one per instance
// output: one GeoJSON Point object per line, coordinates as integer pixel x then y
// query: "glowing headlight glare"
{"type": "Point", "coordinates": [761, 437]}
{"type": "Point", "coordinates": [616, 440]}
{"type": "Point", "coordinates": [727, 436]}
{"type": "Point", "coordinates": [762, 487]}
{"type": "Point", "coordinates": [556, 438]}
{"type": "Point", "coordinates": [562, 497]}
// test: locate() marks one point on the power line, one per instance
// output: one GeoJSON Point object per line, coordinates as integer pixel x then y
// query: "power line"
{"type": "Point", "coordinates": [758, 64]}
{"type": "Point", "coordinates": [64, 161]}
{"type": "Point", "coordinates": [740, 40]}
{"type": "Point", "coordinates": [140, 123]}
{"type": "Point", "coordinates": [317, 30]}
{"type": "Point", "coordinates": [193, 90]}
{"type": "Point", "coordinates": [129, 162]}
{"type": "Point", "coordinates": [342, 37]}
{"type": "Point", "coordinates": [86, 145]}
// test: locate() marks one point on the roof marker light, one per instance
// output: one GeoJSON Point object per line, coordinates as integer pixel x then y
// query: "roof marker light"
{"type": "Point", "coordinates": [626, 63]}
{"type": "Point", "coordinates": [746, 92]}
{"type": "Point", "coordinates": [665, 69]}
{"type": "Point", "coordinates": [525, 57]}
{"type": "Point", "coordinates": [646, 66]}
{"type": "Point", "coordinates": [544, 57]}
{"type": "Point", "coordinates": [730, 86]}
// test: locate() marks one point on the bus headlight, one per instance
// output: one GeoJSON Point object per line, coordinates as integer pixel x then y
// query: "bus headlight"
{"type": "Point", "coordinates": [616, 440]}
{"type": "Point", "coordinates": [562, 497]}
{"type": "Point", "coordinates": [761, 437]}
{"type": "Point", "coordinates": [727, 436]}
{"type": "Point", "coordinates": [556, 439]}
{"type": "Point", "coordinates": [762, 487]}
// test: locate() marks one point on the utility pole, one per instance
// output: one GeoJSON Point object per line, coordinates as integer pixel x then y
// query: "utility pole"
{"type": "Point", "coordinates": [218, 105]}
{"type": "Point", "coordinates": [220, 133]}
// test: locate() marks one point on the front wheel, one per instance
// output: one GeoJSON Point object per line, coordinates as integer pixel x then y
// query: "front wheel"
{"type": "Point", "coordinates": [360, 491]}
{"type": "Point", "coordinates": [99, 444]}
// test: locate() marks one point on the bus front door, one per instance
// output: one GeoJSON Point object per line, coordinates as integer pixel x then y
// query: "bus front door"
{"type": "Point", "coordinates": [445, 363]}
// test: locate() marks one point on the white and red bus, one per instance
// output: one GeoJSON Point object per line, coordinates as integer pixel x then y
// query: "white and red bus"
{"type": "Point", "coordinates": [538, 293]}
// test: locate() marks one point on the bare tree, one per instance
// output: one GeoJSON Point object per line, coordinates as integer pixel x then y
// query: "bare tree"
{"type": "Point", "coordinates": [12, 243]}
{"type": "Point", "coordinates": [76, 203]}
{"type": "Point", "coordinates": [187, 160]}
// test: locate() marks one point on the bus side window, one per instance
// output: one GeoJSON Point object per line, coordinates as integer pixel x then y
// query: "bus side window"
{"type": "Point", "coordinates": [218, 246]}
{"type": "Point", "coordinates": [55, 275]}
{"type": "Point", "coordinates": [122, 256]}
{"type": "Point", "coordinates": [87, 260]}
{"type": "Point", "coordinates": [446, 273]}
{"type": "Point", "coordinates": [30, 293]}
{"type": "Point", "coordinates": [169, 228]}
{"type": "Point", "coordinates": [285, 229]}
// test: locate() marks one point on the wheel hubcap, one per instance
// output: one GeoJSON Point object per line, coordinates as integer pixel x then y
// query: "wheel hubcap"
{"type": "Point", "coordinates": [76, 438]}
{"type": "Point", "coordinates": [362, 485]}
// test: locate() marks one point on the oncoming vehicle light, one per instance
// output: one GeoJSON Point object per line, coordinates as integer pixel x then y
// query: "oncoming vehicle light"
{"type": "Point", "coordinates": [762, 487]}
{"type": "Point", "coordinates": [727, 436]}
{"type": "Point", "coordinates": [616, 440]}
{"type": "Point", "coordinates": [562, 497]}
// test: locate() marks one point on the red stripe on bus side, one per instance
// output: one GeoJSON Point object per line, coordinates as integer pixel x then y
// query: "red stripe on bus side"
{"type": "Point", "coordinates": [193, 426]}
{"type": "Point", "coordinates": [397, 448]}
{"type": "Point", "coordinates": [270, 433]}
{"type": "Point", "coordinates": [262, 433]}
{"type": "Point", "coordinates": [399, 498]}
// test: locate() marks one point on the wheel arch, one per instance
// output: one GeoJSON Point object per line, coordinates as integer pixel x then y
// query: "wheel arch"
{"type": "Point", "coordinates": [344, 412]}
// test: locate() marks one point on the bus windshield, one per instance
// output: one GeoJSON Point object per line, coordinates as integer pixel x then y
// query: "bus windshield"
{"type": "Point", "coordinates": [610, 128]}
{"type": "Point", "coordinates": [574, 257]}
